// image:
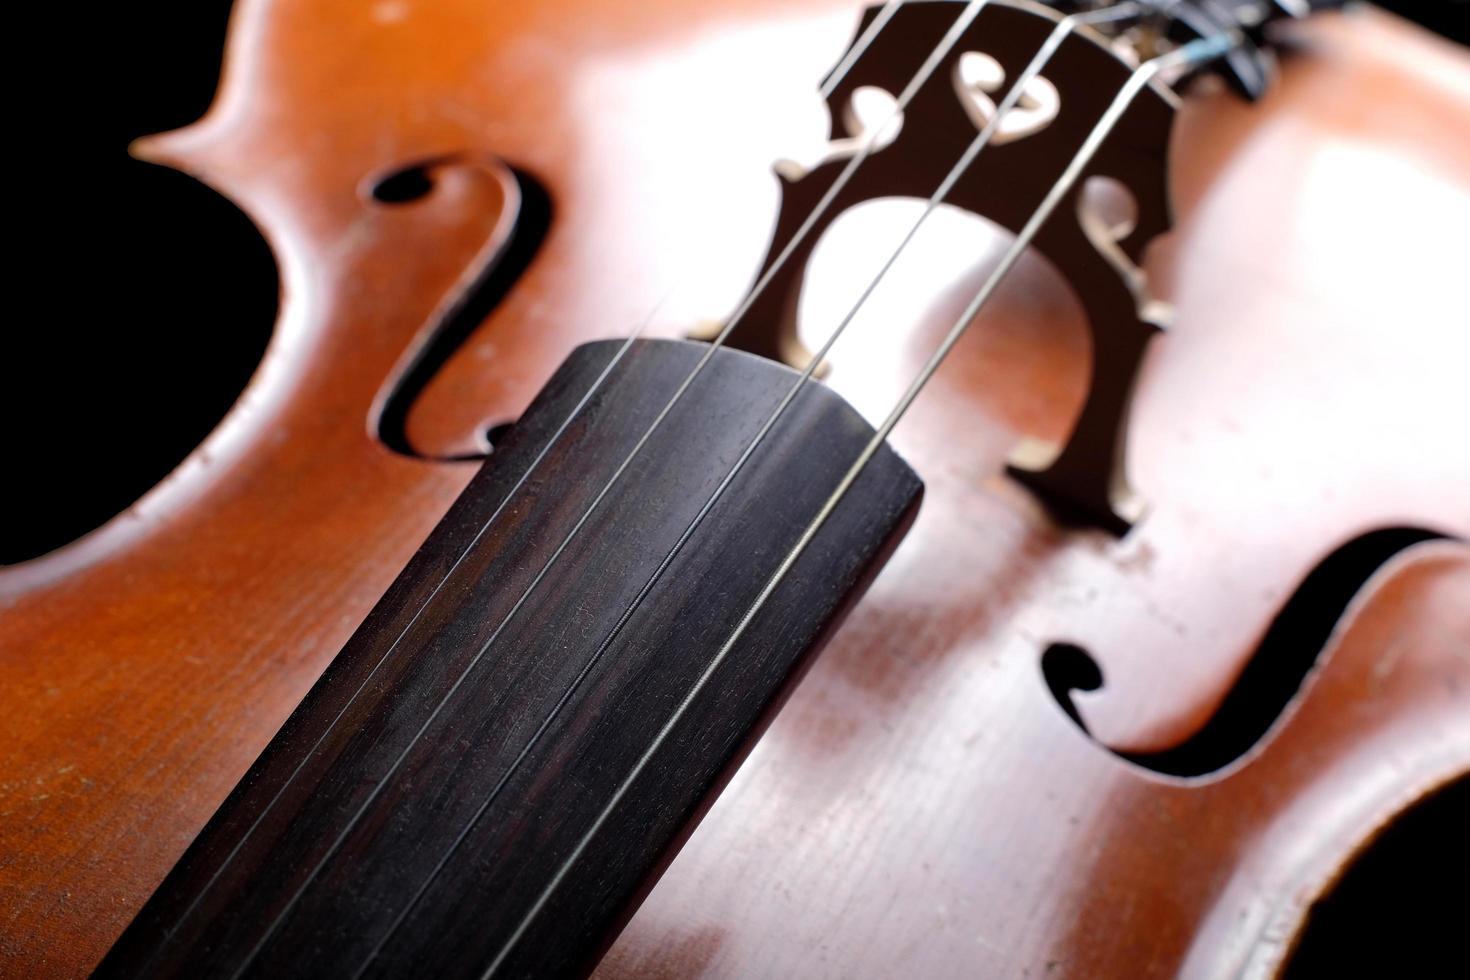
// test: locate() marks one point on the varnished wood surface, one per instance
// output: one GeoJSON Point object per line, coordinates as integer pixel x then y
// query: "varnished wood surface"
{"type": "Point", "coordinates": [921, 806]}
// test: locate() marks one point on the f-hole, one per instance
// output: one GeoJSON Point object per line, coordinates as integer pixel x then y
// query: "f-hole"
{"type": "Point", "coordinates": [1273, 675]}
{"type": "Point", "coordinates": [469, 309]}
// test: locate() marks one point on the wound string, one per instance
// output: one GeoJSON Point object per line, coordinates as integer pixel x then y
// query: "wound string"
{"type": "Point", "coordinates": [1195, 52]}
{"type": "Point", "coordinates": [1053, 41]}
{"type": "Point", "coordinates": [962, 21]}
{"type": "Point", "coordinates": [828, 86]}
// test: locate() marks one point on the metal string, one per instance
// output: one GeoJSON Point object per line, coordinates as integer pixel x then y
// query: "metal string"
{"type": "Point", "coordinates": [930, 64]}
{"type": "Point", "coordinates": [859, 46]}
{"type": "Point", "coordinates": [438, 587]}
{"type": "Point", "coordinates": [962, 21]}
{"type": "Point", "coordinates": [863, 42]}
{"type": "Point", "coordinates": [1205, 49]}
{"type": "Point", "coordinates": [1053, 41]}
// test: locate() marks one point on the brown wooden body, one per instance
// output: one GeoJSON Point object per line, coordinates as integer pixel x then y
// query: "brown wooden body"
{"type": "Point", "coordinates": [922, 805]}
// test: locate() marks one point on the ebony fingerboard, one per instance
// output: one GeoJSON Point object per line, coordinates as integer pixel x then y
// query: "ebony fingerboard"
{"type": "Point", "coordinates": [513, 745]}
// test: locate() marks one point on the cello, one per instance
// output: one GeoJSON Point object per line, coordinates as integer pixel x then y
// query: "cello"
{"type": "Point", "coordinates": [1108, 706]}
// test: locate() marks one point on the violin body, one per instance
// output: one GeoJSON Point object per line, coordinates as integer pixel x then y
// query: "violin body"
{"type": "Point", "coordinates": [935, 798]}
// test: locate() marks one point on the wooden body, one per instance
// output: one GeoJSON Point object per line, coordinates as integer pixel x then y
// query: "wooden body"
{"type": "Point", "coordinates": [922, 806]}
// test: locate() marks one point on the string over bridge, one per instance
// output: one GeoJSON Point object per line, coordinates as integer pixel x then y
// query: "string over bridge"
{"type": "Point", "coordinates": [1083, 479]}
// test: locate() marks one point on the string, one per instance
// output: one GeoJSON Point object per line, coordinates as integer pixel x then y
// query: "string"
{"type": "Point", "coordinates": [835, 78]}
{"type": "Point", "coordinates": [1048, 48]}
{"type": "Point", "coordinates": [962, 21]}
{"type": "Point", "coordinates": [438, 587]}
{"type": "Point", "coordinates": [854, 52]}
{"type": "Point", "coordinates": [928, 68]}
{"type": "Point", "coordinates": [1202, 50]}
{"type": "Point", "coordinates": [859, 46]}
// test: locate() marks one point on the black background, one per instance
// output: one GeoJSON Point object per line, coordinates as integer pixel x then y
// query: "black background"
{"type": "Point", "coordinates": [141, 300]}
